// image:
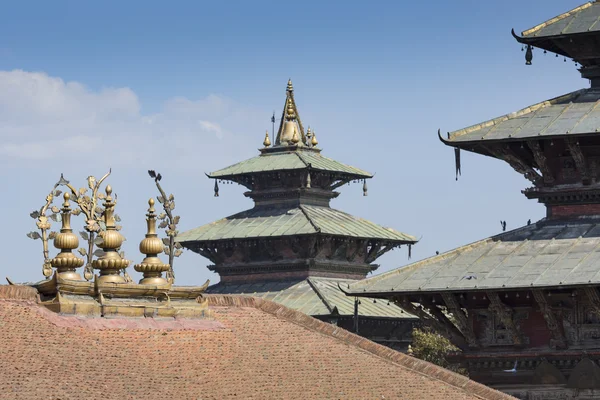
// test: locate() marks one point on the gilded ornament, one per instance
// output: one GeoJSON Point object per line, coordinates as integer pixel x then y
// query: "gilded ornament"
{"type": "Point", "coordinates": [152, 267]}
{"type": "Point", "coordinates": [66, 262]}
{"type": "Point", "coordinates": [267, 141]}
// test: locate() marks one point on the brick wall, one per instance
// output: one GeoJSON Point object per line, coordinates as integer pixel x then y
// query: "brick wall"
{"type": "Point", "coordinates": [573, 210]}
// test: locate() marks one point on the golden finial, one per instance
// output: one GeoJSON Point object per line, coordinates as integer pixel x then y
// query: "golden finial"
{"type": "Point", "coordinates": [290, 87]}
{"type": "Point", "coordinates": [152, 267]}
{"type": "Point", "coordinates": [267, 141]}
{"type": "Point", "coordinates": [295, 139]}
{"type": "Point", "coordinates": [66, 241]}
{"type": "Point", "coordinates": [111, 262]}
{"type": "Point", "coordinates": [313, 139]}
{"type": "Point", "coordinates": [410, 350]}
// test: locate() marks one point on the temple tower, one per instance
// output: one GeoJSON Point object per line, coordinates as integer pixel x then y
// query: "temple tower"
{"type": "Point", "coordinates": [292, 244]}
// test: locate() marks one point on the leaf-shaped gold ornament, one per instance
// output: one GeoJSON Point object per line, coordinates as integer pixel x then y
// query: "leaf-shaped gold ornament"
{"type": "Point", "coordinates": [34, 235]}
{"type": "Point", "coordinates": [82, 191]}
{"type": "Point", "coordinates": [163, 224]}
{"type": "Point", "coordinates": [178, 253]}
{"type": "Point", "coordinates": [52, 235]}
{"type": "Point", "coordinates": [101, 196]}
{"type": "Point", "coordinates": [98, 253]}
{"type": "Point", "coordinates": [167, 251]}
{"type": "Point", "coordinates": [162, 216]}
{"type": "Point", "coordinates": [54, 217]}
{"type": "Point", "coordinates": [57, 193]}
{"type": "Point", "coordinates": [76, 211]}
{"type": "Point", "coordinates": [34, 214]}
{"type": "Point", "coordinates": [166, 241]}
{"type": "Point", "coordinates": [88, 273]}
{"type": "Point", "coordinates": [117, 218]}
{"type": "Point", "coordinates": [55, 209]}
{"type": "Point", "coordinates": [82, 251]}
{"type": "Point", "coordinates": [171, 197]}
{"type": "Point", "coordinates": [178, 245]}
{"type": "Point", "coordinates": [160, 199]}
{"type": "Point", "coordinates": [47, 269]}
{"type": "Point", "coordinates": [84, 235]}
{"type": "Point", "coordinates": [176, 219]}
{"type": "Point", "coordinates": [172, 205]}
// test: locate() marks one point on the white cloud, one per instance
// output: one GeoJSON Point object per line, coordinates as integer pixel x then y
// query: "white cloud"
{"type": "Point", "coordinates": [45, 118]}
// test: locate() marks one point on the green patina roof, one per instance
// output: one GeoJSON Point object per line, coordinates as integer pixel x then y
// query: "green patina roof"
{"type": "Point", "coordinates": [575, 113]}
{"type": "Point", "coordinates": [288, 160]}
{"type": "Point", "coordinates": [264, 222]}
{"type": "Point", "coordinates": [585, 18]}
{"type": "Point", "coordinates": [545, 254]}
{"type": "Point", "coordinates": [312, 296]}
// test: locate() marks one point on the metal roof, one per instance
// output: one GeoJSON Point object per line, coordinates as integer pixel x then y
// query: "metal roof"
{"type": "Point", "coordinates": [312, 296]}
{"type": "Point", "coordinates": [548, 253]}
{"type": "Point", "coordinates": [288, 160]}
{"type": "Point", "coordinates": [571, 114]}
{"type": "Point", "coordinates": [584, 18]}
{"type": "Point", "coordinates": [261, 222]}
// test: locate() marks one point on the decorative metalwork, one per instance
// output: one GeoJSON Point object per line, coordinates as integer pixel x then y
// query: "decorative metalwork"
{"type": "Point", "coordinates": [110, 263]}
{"type": "Point", "coordinates": [94, 224]}
{"type": "Point", "coordinates": [505, 315]}
{"type": "Point", "coordinates": [43, 224]}
{"type": "Point", "coordinates": [66, 262]}
{"type": "Point", "coordinates": [152, 267]}
{"type": "Point", "coordinates": [169, 221]}
{"type": "Point", "coordinates": [460, 319]}
{"type": "Point", "coordinates": [558, 340]}
{"type": "Point", "coordinates": [267, 141]}
{"type": "Point", "coordinates": [540, 160]}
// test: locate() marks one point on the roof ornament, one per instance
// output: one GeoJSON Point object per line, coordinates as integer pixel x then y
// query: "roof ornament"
{"type": "Point", "coordinates": [111, 262]}
{"type": "Point", "coordinates": [216, 188]}
{"type": "Point", "coordinates": [308, 137]}
{"type": "Point", "coordinates": [267, 141]}
{"type": "Point", "coordinates": [295, 139]}
{"type": "Point", "coordinates": [290, 123]}
{"type": "Point", "coordinates": [152, 267]}
{"type": "Point", "coordinates": [528, 55]}
{"type": "Point", "coordinates": [313, 140]}
{"type": "Point", "coordinates": [290, 87]}
{"type": "Point", "coordinates": [308, 180]}
{"type": "Point", "coordinates": [365, 190]}
{"type": "Point", "coordinates": [66, 262]}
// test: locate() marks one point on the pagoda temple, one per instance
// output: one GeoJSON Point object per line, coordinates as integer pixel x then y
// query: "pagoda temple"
{"type": "Point", "coordinates": [524, 306]}
{"type": "Point", "coordinates": [292, 247]}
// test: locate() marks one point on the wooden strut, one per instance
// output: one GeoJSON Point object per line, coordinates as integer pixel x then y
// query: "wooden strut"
{"type": "Point", "coordinates": [434, 318]}
{"type": "Point", "coordinates": [540, 160]}
{"type": "Point", "coordinates": [593, 297]}
{"type": "Point", "coordinates": [505, 315]}
{"type": "Point", "coordinates": [558, 340]}
{"type": "Point", "coordinates": [460, 319]}
{"type": "Point", "coordinates": [506, 154]}
{"type": "Point", "coordinates": [579, 158]}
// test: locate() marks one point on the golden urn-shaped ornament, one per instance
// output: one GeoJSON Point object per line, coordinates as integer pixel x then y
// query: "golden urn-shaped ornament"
{"type": "Point", "coordinates": [66, 262]}
{"type": "Point", "coordinates": [152, 267]}
{"type": "Point", "coordinates": [111, 263]}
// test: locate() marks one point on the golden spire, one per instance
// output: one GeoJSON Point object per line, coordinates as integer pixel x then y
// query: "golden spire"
{"type": "Point", "coordinates": [313, 139]}
{"type": "Point", "coordinates": [267, 141]}
{"type": "Point", "coordinates": [290, 122]}
{"type": "Point", "coordinates": [111, 262]}
{"type": "Point", "coordinates": [152, 267]}
{"type": "Point", "coordinates": [290, 87]}
{"type": "Point", "coordinates": [295, 139]}
{"type": "Point", "coordinates": [66, 262]}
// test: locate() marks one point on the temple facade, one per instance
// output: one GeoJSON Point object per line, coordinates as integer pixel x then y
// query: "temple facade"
{"type": "Point", "coordinates": [524, 306]}
{"type": "Point", "coordinates": [292, 247]}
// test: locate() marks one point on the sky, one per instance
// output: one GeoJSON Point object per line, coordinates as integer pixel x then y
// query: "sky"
{"type": "Point", "coordinates": [188, 87]}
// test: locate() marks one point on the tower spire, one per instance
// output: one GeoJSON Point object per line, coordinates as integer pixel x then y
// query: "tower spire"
{"type": "Point", "coordinates": [290, 125]}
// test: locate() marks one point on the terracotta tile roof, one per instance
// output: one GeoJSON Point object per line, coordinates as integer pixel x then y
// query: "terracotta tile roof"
{"type": "Point", "coordinates": [254, 349]}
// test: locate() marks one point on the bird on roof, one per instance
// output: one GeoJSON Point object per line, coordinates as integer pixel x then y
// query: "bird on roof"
{"type": "Point", "coordinates": [528, 222]}
{"type": "Point", "coordinates": [503, 224]}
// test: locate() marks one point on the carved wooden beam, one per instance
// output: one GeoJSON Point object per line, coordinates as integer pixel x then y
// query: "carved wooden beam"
{"type": "Point", "coordinates": [436, 320]}
{"type": "Point", "coordinates": [593, 297]}
{"type": "Point", "coordinates": [336, 185]}
{"type": "Point", "coordinates": [579, 158]}
{"type": "Point", "coordinates": [505, 314]}
{"type": "Point", "coordinates": [558, 340]}
{"type": "Point", "coordinates": [372, 255]}
{"type": "Point", "coordinates": [506, 154]}
{"type": "Point", "coordinates": [460, 319]}
{"type": "Point", "coordinates": [540, 160]}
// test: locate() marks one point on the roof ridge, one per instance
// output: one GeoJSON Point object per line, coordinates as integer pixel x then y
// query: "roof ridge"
{"type": "Point", "coordinates": [411, 363]}
{"type": "Point", "coordinates": [18, 292]}
{"type": "Point", "coordinates": [518, 113]}
{"type": "Point", "coordinates": [313, 224]}
{"type": "Point", "coordinates": [319, 294]}
{"type": "Point", "coordinates": [557, 18]}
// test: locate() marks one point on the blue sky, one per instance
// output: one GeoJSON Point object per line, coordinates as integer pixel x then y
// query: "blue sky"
{"type": "Point", "coordinates": [189, 87]}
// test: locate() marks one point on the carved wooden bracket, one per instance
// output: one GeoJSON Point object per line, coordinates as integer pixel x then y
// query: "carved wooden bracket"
{"type": "Point", "coordinates": [593, 297]}
{"type": "Point", "coordinates": [506, 154]}
{"type": "Point", "coordinates": [540, 160]}
{"type": "Point", "coordinates": [579, 158]}
{"type": "Point", "coordinates": [505, 314]}
{"type": "Point", "coordinates": [558, 340]}
{"type": "Point", "coordinates": [460, 319]}
{"type": "Point", "coordinates": [435, 319]}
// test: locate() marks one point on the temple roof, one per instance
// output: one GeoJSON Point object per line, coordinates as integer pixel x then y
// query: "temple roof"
{"type": "Point", "coordinates": [549, 253]}
{"type": "Point", "coordinates": [293, 159]}
{"type": "Point", "coordinates": [584, 18]}
{"type": "Point", "coordinates": [252, 349]}
{"type": "Point", "coordinates": [261, 222]}
{"type": "Point", "coordinates": [576, 113]}
{"type": "Point", "coordinates": [311, 296]}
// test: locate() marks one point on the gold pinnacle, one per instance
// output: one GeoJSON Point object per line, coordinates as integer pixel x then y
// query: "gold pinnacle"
{"type": "Point", "coordinates": [290, 87]}
{"type": "Point", "coordinates": [66, 262]}
{"type": "Point", "coordinates": [152, 267]}
{"type": "Point", "coordinates": [267, 141]}
{"type": "Point", "coordinates": [295, 137]}
{"type": "Point", "coordinates": [313, 140]}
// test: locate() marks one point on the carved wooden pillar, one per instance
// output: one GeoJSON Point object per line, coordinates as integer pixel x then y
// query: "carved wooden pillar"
{"type": "Point", "coordinates": [461, 320]}
{"type": "Point", "coordinates": [555, 327]}
{"type": "Point", "coordinates": [505, 315]}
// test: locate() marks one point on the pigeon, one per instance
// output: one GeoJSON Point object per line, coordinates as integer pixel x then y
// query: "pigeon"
{"type": "Point", "coordinates": [503, 224]}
